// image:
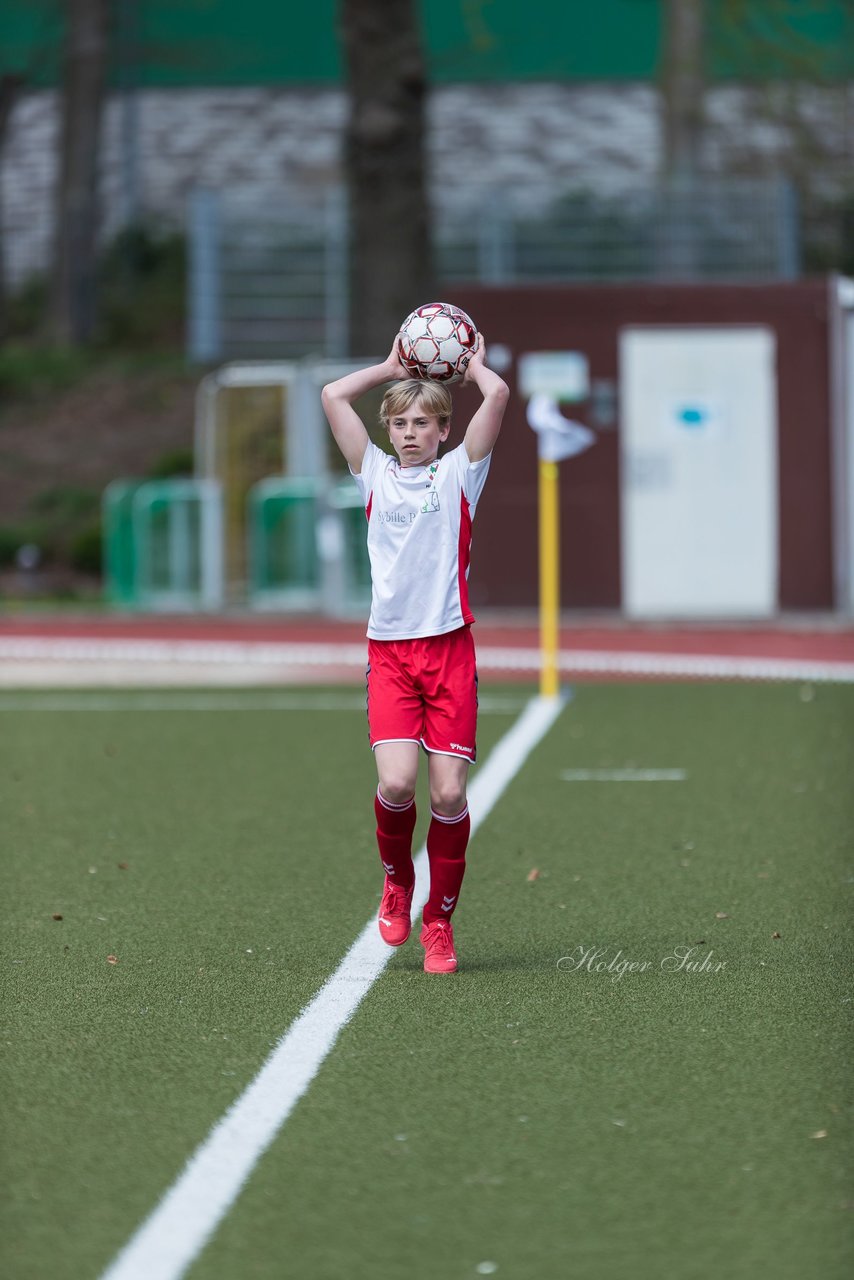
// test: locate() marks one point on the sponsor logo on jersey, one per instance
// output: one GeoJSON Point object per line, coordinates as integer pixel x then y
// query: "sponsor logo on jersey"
{"type": "Point", "coordinates": [396, 517]}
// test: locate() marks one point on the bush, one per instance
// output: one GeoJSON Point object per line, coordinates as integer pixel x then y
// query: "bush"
{"type": "Point", "coordinates": [142, 287]}
{"type": "Point", "coordinates": [29, 372]}
{"type": "Point", "coordinates": [13, 537]}
{"type": "Point", "coordinates": [827, 233]}
{"type": "Point", "coordinates": [86, 553]}
{"type": "Point", "coordinates": [26, 307]}
{"type": "Point", "coordinates": [178, 462]}
{"type": "Point", "coordinates": [65, 504]}
{"type": "Point", "coordinates": [62, 522]}
{"type": "Point", "coordinates": [10, 540]}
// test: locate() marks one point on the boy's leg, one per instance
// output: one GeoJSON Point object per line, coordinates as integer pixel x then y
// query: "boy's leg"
{"type": "Point", "coordinates": [447, 839]}
{"type": "Point", "coordinates": [450, 727]}
{"type": "Point", "coordinates": [394, 806]}
{"type": "Point", "coordinates": [395, 718]}
{"type": "Point", "coordinates": [448, 835]}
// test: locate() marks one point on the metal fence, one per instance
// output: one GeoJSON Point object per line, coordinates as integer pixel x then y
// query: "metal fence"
{"type": "Point", "coordinates": [163, 544]}
{"type": "Point", "coordinates": [268, 275]}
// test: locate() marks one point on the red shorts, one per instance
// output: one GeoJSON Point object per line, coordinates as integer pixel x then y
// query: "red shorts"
{"type": "Point", "coordinates": [424, 691]}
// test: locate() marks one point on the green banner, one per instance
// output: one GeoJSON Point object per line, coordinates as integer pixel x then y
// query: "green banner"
{"type": "Point", "coordinates": [196, 43]}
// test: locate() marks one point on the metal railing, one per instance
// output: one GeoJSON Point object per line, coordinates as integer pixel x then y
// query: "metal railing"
{"type": "Point", "coordinates": [268, 275]}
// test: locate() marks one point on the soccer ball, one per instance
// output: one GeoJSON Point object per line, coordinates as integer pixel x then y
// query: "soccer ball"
{"type": "Point", "coordinates": [436, 342]}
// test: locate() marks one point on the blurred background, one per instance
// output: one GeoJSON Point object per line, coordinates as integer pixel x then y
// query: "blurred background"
{"type": "Point", "coordinates": [208, 209]}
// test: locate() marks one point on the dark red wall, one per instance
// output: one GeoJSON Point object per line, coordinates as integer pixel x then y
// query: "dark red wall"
{"type": "Point", "coordinates": [589, 318]}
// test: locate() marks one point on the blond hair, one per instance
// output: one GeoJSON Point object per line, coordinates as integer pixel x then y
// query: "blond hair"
{"type": "Point", "coordinates": [435, 398]}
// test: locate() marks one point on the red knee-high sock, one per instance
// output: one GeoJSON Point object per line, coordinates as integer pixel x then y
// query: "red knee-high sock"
{"type": "Point", "coordinates": [395, 825]}
{"type": "Point", "coordinates": [447, 839]}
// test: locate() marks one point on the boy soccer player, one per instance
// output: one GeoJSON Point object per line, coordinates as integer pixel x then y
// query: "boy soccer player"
{"type": "Point", "coordinates": [422, 679]}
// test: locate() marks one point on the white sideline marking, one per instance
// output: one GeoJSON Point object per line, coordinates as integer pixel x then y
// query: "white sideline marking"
{"type": "Point", "coordinates": [179, 1228]}
{"type": "Point", "coordinates": [624, 775]}
{"type": "Point", "coordinates": [234, 661]}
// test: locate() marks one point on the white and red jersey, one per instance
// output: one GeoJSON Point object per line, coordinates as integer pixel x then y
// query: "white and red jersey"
{"type": "Point", "coordinates": [419, 537]}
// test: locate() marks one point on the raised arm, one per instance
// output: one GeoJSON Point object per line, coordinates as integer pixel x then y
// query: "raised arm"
{"type": "Point", "coordinates": [337, 400]}
{"type": "Point", "coordinates": [484, 427]}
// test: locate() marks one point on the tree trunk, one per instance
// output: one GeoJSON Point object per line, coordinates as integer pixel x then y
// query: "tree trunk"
{"type": "Point", "coordinates": [389, 218]}
{"type": "Point", "coordinates": [682, 92]}
{"type": "Point", "coordinates": [73, 302]}
{"type": "Point", "coordinates": [10, 84]}
{"type": "Point", "coordinates": [683, 87]}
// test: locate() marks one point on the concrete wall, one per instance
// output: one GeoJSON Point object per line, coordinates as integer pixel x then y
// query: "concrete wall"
{"type": "Point", "coordinates": [550, 138]}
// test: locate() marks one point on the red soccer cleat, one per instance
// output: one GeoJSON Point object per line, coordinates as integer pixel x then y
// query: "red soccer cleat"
{"type": "Point", "coordinates": [395, 920]}
{"type": "Point", "coordinates": [437, 939]}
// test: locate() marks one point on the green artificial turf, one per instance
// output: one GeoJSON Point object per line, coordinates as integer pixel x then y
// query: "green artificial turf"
{"type": "Point", "coordinates": [525, 1117]}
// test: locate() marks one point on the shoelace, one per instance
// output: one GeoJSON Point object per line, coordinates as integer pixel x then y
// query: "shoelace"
{"type": "Point", "coordinates": [439, 938]}
{"type": "Point", "coordinates": [394, 901]}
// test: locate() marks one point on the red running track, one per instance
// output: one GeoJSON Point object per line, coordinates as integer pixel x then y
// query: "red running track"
{"type": "Point", "coordinates": [824, 641]}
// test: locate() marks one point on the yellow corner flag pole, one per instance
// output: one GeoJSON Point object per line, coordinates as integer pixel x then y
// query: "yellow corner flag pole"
{"type": "Point", "coordinates": [549, 579]}
{"type": "Point", "coordinates": [557, 438]}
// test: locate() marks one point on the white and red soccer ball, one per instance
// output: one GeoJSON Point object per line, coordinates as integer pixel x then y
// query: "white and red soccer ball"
{"type": "Point", "coordinates": [436, 342]}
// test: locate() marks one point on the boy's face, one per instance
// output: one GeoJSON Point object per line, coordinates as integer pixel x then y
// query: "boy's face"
{"type": "Point", "coordinates": [415, 435]}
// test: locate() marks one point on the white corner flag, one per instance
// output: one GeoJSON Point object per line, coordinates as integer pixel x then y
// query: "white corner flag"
{"type": "Point", "coordinates": [558, 437]}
